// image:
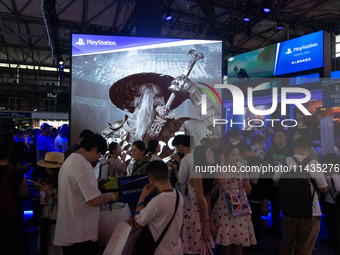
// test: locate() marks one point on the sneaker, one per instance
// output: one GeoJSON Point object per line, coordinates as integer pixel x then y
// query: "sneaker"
{"type": "Point", "coordinates": [274, 229]}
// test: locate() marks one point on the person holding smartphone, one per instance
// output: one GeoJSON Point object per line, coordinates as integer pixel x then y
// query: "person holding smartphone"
{"type": "Point", "coordinates": [79, 199]}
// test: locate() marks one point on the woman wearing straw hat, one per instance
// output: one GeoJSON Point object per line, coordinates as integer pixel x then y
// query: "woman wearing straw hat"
{"type": "Point", "coordinates": [52, 163]}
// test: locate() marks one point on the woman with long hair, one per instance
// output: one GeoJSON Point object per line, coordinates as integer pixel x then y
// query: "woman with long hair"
{"type": "Point", "coordinates": [138, 153]}
{"type": "Point", "coordinates": [117, 165]}
{"type": "Point", "coordinates": [52, 164]}
{"type": "Point", "coordinates": [154, 148]}
{"type": "Point", "coordinates": [198, 225]}
{"type": "Point", "coordinates": [233, 232]}
{"type": "Point", "coordinates": [18, 154]}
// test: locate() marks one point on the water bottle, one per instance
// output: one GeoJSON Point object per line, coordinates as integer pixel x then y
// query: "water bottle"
{"type": "Point", "coordinates": [43, 198]}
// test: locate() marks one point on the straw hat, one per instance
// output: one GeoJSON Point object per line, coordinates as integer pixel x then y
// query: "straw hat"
{"type": "Point", "coordinates": [52, 160]}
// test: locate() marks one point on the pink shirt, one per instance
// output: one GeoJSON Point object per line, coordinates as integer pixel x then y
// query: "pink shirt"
{"type": "Point", "coordinates": [116, 167]}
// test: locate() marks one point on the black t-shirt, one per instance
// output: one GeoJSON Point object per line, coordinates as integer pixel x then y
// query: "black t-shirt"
{"type": "Point", "coordinates": [73, 148]}
{"type": "Point", "coordinates": [274, 154]}
{"type": "Point", "coordinates": [14, 179]}
{"type": "Point", "coordinates": [256, 192]}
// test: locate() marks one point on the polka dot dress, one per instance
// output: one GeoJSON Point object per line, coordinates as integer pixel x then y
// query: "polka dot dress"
{"type": "Point", "coordinates": [192, 240]}
{"type": "Point", "coordinates": [231, 230]}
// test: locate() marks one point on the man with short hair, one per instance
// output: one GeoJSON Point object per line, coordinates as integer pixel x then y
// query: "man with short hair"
{"type": "Point", "coordinates": [61, 141]}
{"type": "Point", "coordinates": [159, 211]}
{"type": "Point", "coordinates": [186, 164]}
{"type": "Point", "coordinates": [73, 148]}
{"type": "Point", "coordinates": [279, 150]}
{"type": "Point", "coordinates": [302, 232]}
{"type": "Point", "coordinates": [17, 135]}
{"type": "Point", "coordinates": [234, 136]}
{"type": "Point", "coordinates": [305, 133]}
{"type": "Point", "coordinates": [258, 145]}
{"type": "Point", "coordinates": [44, 142]}
{"type": "Point", "coordinates": [79, 199]}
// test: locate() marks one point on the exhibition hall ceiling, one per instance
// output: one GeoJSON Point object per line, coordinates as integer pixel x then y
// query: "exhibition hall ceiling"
{"type": "Point", "coordinates": [24, 24]}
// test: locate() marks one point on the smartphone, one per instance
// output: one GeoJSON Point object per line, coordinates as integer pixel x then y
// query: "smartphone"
{"type": "Point", "coordinates": [37, 183]}
{"type": "Point", "coordinates": [103, 181]}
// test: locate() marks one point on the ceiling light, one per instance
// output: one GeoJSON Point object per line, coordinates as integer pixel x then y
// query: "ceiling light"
{"type": "Point", "coordinates": [266, 6]}
{"type": "Point", "coordinates": [61, 62]}
{"type": "Point", "coordinates": [168, 15]}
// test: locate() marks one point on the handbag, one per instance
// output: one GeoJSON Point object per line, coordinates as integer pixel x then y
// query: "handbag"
{"type": "Point", "coordinates": [146, 244]}
{"type": "Point", "coordinates": [205, 249]}
{"type": "Point", "coordinates": [337, 195]}
{"type": "Point", "coordinates": [238, 202]}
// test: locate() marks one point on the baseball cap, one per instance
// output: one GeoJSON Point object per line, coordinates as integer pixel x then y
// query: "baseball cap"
{"type": "Point", "coordinates": [44, 126]}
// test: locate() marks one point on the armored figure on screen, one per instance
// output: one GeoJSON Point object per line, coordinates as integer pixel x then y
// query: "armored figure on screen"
{"type": "Point", "coordinates": [242, 74]}
{"type": "Point", "coordinates": [150, 99]}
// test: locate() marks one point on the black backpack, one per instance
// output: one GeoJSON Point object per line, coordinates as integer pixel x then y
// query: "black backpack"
{"type": "Point", "coordinates": [295, 196]}
{"type": "Point", "coordinates": [7, 202]}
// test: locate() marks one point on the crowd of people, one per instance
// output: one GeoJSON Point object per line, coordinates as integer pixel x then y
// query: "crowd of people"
{"type": "Point", "coordinates": [194, 210]}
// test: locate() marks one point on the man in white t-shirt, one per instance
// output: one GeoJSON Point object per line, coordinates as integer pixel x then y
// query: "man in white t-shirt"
{"type": "Point", "coordinates": [61, 141]}
{"type": "Point", "coordinates": [79, 199]}
{"type": "Point", "coordinates": [159, 211]}
{"type": "Point", "coordinates": [183, 145]}
{"type": "Point", "coordinates": [186, 164]}
{"type": "Point", "coordinates": [302, 231]}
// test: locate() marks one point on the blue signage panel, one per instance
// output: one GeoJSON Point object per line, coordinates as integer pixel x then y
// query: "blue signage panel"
{"type": "Point", "coordinates": [299, 54]}
{"type": "Point", "coordinates": [331, 95]}
{"type": "Point", "coordinates": [130, 188]}
{"type": "Point", "coordinates": [87, 44]}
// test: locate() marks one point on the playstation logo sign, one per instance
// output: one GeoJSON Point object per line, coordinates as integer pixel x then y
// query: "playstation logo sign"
{"type": "Point", "coordinates": [80, 42]}
{"type": "Point", "coordinates": [289, 51]}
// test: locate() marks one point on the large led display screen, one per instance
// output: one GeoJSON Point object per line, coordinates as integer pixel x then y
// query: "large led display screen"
{"type": "Point", "coordinates": [291, 56]}
{"type": "Point", "coordinates": [120, 87]}
{"type": "Point", "coordinates": [299, 54]}
{"type": "Point", "coordinates": [254, 64]}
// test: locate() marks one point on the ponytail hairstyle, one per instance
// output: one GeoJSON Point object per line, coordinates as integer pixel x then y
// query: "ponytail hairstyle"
{"type": "Point", "coordinates": [112, 146]}
{"type": "Point", "coordinates": [152, 146]}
